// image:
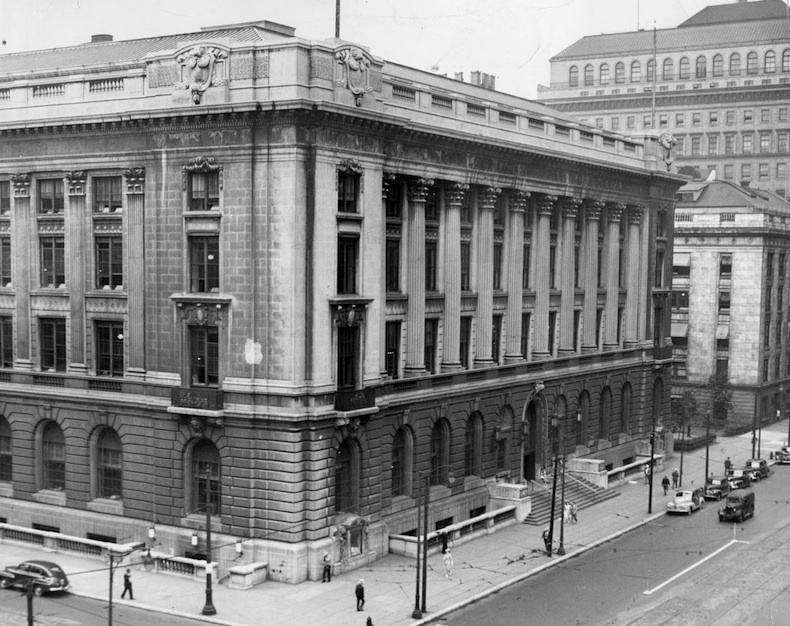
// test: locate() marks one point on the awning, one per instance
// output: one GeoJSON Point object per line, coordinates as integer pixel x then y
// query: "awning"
{"type": "Point", "coordinates": [680, 329]}
{"type": "Point", "coordinates": [723, 331]}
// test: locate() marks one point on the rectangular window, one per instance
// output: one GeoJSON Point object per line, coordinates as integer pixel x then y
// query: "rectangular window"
{"type": "Point", "coordinates": [781, 142]}
{"type": "Point", "coordinates": [50, 196]}
{"type": "Point", "coordinates": [204, 264]}
{"type": "Point", "coordinates": [393, 265]}
{"type": "Point", "coordinates": [347, 351]}
{"type": "Point", "coordinates": [347, 192]}
{"type": "Point", "coordinates": [729, 144]}
{"type": "Point", "coordinates": [728, 172]}
{"type": "Point", "coordinates": [746, 171]}
{"type": "Point", "coordinates": [109, 348]}
{"type": "Point", "coordinates": [630, 122]}
{"type": "Point", "coordinates": [680, 147]}
{"type": "Point", "coordinates": [553, 267]}
{"type": "Point", "coordinates": [107, 196]}
{"type": "Point", "coordinates": [680, 119]}
{"type": "Point", "coordinates": [204, 356]}
{"type": "Point", "coordinates": [747, 144]}
{"type": "Point", "coordinates": [647, 121]}
{"type": "Point", "coordinates": [765, 142]}
{"type": "Point", "coordinates": [748, 116]}
{"type": "Point", "coordinates": [53, 344]}
{"type": "Point", "coordinates": [765, 115]}
{"type": "Point", "coordinates": [347, 264]}
{"type": "Point", "coordinates": [680, 299]}
{"type": "Point", "coordinates": [496, 337]}
{"type": "Point", "coordinates": [203, 191]}
{"type": "Point", "coordinates": [659, 268]}
{"type": "Point", "coordinates": [431, 332]}
{"type": "Point", "coordinates": [725, 266]}
{"type": "Point", "coordinates": [109, 262]}
{"type": "Point", "coordinates": [5, 261]}
{"type": "Point", "coordinates": [783, 111]}
{"type": "Point", "coordinates": [465, 341]}
{"type": "Point", "coordinates": [615, 123]}
{"type": "Point", "coordinates": [53, 268]}
{"type": "Point", "coordinates": [724, 302]}
{"type": "Point", "coordinates": [431, 206]}
{"type": "Point", "coordinates": [713, 144]}
{"type": "Point", "coordinates": [6, 341]}
{"type": "Point", "coordinates": [713, 118]}
{"type": "Point", "coordinates": [696, 119]}
{"type": "Point", "coordinates": [663, 120]}
{"type": "Point", "coordinates": [762, 170]}
{"type": "Point", "coordinates": [466, 254]}
{"type": "Point", "coordinates": [5, 197]}
{"type": "Point", "coordinates": [392, 339]}
{"type": "Point", "coordinates": [552, 330]}
{"type": "Point", "coordinates": [525, 268]}
{"type": "Point", "coordinates": [430, 265]}
{"type": "Point", "coordinates": [497, 266]}
{"type": "Point", "coordinates": [394, 201]}
{"type": "Point", "coordinates": [781, 171]}
{"type": "Point", "coordinates": [110, 472]}
{"type": "Point", "coordinates": [730, 117]}
{"type": "Point", "coordinates": [696, 143]}
{"type": "Point", "coordinates": [54, 464]}
{"type": "Point", "coordinates": [526, 320]}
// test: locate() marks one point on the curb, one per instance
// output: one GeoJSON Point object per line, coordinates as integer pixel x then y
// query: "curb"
{"type": "Point", "coordinates": [537, 570]}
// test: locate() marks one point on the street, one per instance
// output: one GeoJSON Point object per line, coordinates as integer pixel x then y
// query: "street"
{"type": "Point", "coordinates": [679, 569]}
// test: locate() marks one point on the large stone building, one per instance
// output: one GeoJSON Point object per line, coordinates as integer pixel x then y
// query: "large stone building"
{"type": "Point", "coordinates": [719, 83]}
{"type": "Point", "coordinates": [730, 295]}
{"type": "Point", "coordinates": [292, 283]}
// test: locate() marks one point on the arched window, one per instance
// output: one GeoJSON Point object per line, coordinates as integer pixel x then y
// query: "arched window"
{"type": "Point", "coordinates": [619, 72]}
{"type": "Point", "coordinates": [54, 457]}
{"type": "Point", "coordinates": [685, 68]}
{"type": "Point", "coordinates": [625, 409]}
{"type": "Point", "coordinates": [651, 70]}
{"type": "Point", "coordinates": [735, 64]}
{"type": "Point", "coordinates": [573, 76]}
{"type": "Point", "coordinates": [206, 478]}
{"type": "Point", "coordinates": [440, 452]}
{"type": "Point", "coordinates": [770, 62]}
{"type": "Point", "coordinates": [702, 67]}
{"type": "Point", "coordinates": [347, 478]}
{"type": "Point", "coordinates": [751, 63]}
{"type": "Point", "coordinates": [6, 458]}
{"type": "Point", "coordinates": [604, 73]}
{"type": "Point", "coordinates": [786, 61]}
{"type": "Point", "coordinates": [636, 71]}
{"type": "Point", "coordinates": [473, 447]}
{"type": "Point", "coordinates": [589, 78]}
{"type": "Point", "coordinates": [584, 411]}
{"type": "Point", "coordinates": [109, 465]}
{"type": "Point", "coordinates": [504, 431]}
{"type": "Point", "coordinates": [606, 412]}
{"type": "Point", "coordinates": [718, 65]}
{"type": "Point", "coordinates": [402, 446]}
{"type": "Point", "coordinates": [669, 68]}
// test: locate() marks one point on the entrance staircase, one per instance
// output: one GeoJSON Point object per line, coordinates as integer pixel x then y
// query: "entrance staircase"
{"type": "Point", "coordinates": [577, 490]}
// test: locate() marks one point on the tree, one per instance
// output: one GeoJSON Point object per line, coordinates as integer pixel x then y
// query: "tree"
{"type": "Point", "coordinates": [684, 410]}
{"type": "Point", "coordinates": [720, 397]}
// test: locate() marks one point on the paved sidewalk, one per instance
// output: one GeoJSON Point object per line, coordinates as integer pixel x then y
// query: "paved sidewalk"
{"type": "Point", "coordinates": [482, 566]}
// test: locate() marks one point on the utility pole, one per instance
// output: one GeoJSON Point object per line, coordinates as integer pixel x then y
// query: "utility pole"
{"type": "Point", "coordinates": [337, 19]}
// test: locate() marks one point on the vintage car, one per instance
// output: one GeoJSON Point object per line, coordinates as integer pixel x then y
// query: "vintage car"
{"type": "Point", "coordinates": [738, 506]}
{"type": "Point", "coordinates": [686, 501]}
{"type": "Point", "coordinates": [739, 479]}
{"type": "Point", "coordinates": [757, 468]}
{"type": "Point", "coordinates": [783, 456]}
{"type": "Point", "coordinates": [717, 487]}
{"type": "Point", "coordinates": [44, 576]}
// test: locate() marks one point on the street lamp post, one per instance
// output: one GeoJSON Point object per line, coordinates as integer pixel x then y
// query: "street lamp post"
{"type": "Point", "coordinates": [417, 614]}
{"type": "Point", "coordinates": [208, 607]}
{"type": "Point", "coordinates": [707, 444]}
{"type": "Point", "coordinates": [139, 545]}
{"type": "Point", "coordinates": [561, 549]}
{"type": "Point", "coordinates": [652, 458]}
{"type": "Point", "coordinates": [555, 434]}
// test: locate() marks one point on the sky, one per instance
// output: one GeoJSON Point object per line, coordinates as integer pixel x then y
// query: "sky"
{"type": "Point", "coordinates": [510, 39]}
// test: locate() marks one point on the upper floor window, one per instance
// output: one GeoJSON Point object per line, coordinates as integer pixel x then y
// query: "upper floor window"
{"type": "Point", "coordinates": [685, 68]}
{"type": "Point", "coordinates": [347, 191]}
{"type": "Point", "coordinates": [735, 64]}
{"type": "Point", "coordinates": [109, 262]}
{"type": "Point", "coordinates": [765, 142]}
{"type": "Point", "coordinates": [651, 70]}
{"type": "Point", "coordinates": [748, 116]}
{"type": "Point", "coordinates": [52, 337]}
{"type": "Point", "coordinates": [497, 281]}
{"type": "Point", "coordinates": [6, 341]}
{"type": "Point", "coordinates": [718, 65]}
{"type": "Point", "coordinates": [203, 191]}
{"type": "Point", "coordinates": [5, 197]}
{"type": "Point", "coordinates": [50, 195]}
{"type": "Point", "coordinates": [347, 251]}
{"type": "Point", "coordinates": [52, 260]}
{"type": "Point", "coordinates": [604, 73]}
{"type": "Point", "coordinates": [668, 69]}
{"type": "Point", "coordinates": [392, 254]}
{"type": "Point", "coordinates": [746, 142]}
{"type": "Point", "coordinates": [109, 348]}
{"type": "Point", "coordinates": [107, 196]}
{"type": "Point", "coordinates": [636, 71]}
{"type": "Point", "coordinates": [204, 355]}
{"type": "Point", "coordinates": [619, 72]}
{"type": "Point", "coordinates": [752, 63]}
{"type": "Point", "coordinates": [589, 78]}
{"type": "Point", "coordinates": [5, 261]}
{"type": "Point", "coordinates": [206, 483]}
{"type": "Point", "coordinates": [431, 265]}
{"type": "Point", "coordinates": [109, 464]}
{"type": "Point", "coordinates": [786, 61]}
{"type": "Point", "coordinates": [204, 264]}
{"type": "Point", "coordinates": [466, 254]}
{"type": "Point", "coordinates": [53, 457]}
{"type": "Point", "coordinates": [6, 456]}
{"type": "Point", "coordinates": [770, 62]}
{"type": "Point", "coordinates": [730, 117]}
{"type": "Point", "coordinates": [573, 76]}
{"type": "Point", "coordinates": [702, 67]}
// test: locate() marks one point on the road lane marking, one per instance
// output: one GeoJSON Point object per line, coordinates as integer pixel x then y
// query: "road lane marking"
{"type": "Point", "coordinates": [647, 592]}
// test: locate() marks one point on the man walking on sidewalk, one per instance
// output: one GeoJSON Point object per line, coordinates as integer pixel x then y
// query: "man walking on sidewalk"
{"type": "Point", "coordinates": [360, 592]}
{"type": "Point", "coordinates": [127, 585]}
{"type": "Point", "coordinates": [326, 577]}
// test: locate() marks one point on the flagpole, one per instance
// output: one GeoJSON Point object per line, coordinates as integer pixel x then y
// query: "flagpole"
{"type": "Point", "coordinates": [337, 19]}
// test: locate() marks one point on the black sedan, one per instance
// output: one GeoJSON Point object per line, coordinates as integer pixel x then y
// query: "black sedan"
{"type": "Point", "coordinates": [43, 576]}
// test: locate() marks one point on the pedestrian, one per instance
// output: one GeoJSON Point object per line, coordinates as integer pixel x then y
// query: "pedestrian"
{"type": "Point", "coordinates": [665, 484]}
{"type": "Point", "coordinates": [127, 585]}
{"type": "Point", "coordinates": [647, 474]}
{"type": "Point", "coordinates": [445, 541]}
{"type": "Point", "coordinates": [566, 513]}
{"type": "Point", "coordinates": [543, 477]}
{"type": "Point", "coordinates": [448, 564]}
{"type": "Point", "coordinates": [727, 465]}
{"type": "Point", "coordinates": [574, 512]}
{"type": "Point", "coordinates": [675, 478]}
{"type": "Point", "coordinates": [326, 577]}
{"type": "Point", "coordinates": [547, 539]}
{"type": "Point", "coordinates": [360, 593]}
{"type": "Point", "coordinates": [369, 621]}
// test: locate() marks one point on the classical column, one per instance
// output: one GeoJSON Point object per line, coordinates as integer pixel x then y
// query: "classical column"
{"type": "Point", "coordinates": [614, 213]}
{"type": "Point", "coordinates": [542, 286]}
{"type": "Point", "coordinates": [592, 214]}
{"type": "Point", "coordinates": [75, 262]}
{"type": "Point", "coordinates": [632, 278]}
{"type": "Point", "coordinates": [517, 205]}
{"type": "Point", "coordinates": [570, 210]}
{"type": "Point", "coordinates": [454, 197]}
{"type": "Point", "coordinates": [24, 249]}
{"type": "Point", "coordinates": [134, 246]}
{"type": "Point", "coordinates": [415, 315]}
{"type": "Point", "coordinates": [484, 271]}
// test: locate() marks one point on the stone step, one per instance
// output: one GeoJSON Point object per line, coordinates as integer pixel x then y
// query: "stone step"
{"type": "Point", "coordinates": [541, 500]}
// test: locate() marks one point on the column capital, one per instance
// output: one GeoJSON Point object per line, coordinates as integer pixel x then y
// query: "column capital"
{"type": "Point", "coordinates": [614, 211]}
{"type": "Point", "coordinates": [635, 213]}
{"type": "Point", "coordinates": [488, 197]}
{"type": "Point", "coordinates": [21, 184]}
{"type": "Point", "coordinates": [518, 200]}
{"type": "Point", "coordinates": [570, 206]}
{"type": "Point", "coordinates": [387, 180]}
{"type": "Point", "coordinates": [418, 189]}
{"type": "Point", "coordinates": [76, 182]}
{"type": "Point", "coordinates": [135, 179]}
{"type": "Point", "coordinates": [546, 204]}
{"type": "Point", "coordinates": [455, 192]}
{"type": "Point", "coordinates": [593, 208]}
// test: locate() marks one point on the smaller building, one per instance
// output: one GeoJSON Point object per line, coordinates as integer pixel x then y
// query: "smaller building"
{"type": "Point", "coordinates": [729, 294]}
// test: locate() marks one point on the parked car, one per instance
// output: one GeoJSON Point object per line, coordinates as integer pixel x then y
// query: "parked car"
{"type": "Point", "coordinates": [738, 507]}
{"type": "Point", "coordinates": [717, 487]}
{"type": "Point", "coordinates": [739, 479]}
{"type": "Point", "coordinates": [686, 501]}
{"type": "Point", "coordinates": [758, 468]}
{"type": "Point", "coordinates": [783, 456]}
{"type": "Point", "coordinates": [45, 577]}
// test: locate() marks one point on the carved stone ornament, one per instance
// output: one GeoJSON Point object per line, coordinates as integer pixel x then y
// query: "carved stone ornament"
{"type": "Point", "coordinates": [355, 75]}
{"type": "Point", "coordinates": [349, 315]}
{"type": "Point", "coordinates": [350, 166]}
{"type": "Point", "coordinates": [21, 184]}
{"type": "Point", "coordinates": [198, 68]}
{"type": "Point", "coordinates": [135, 179]}
{"type": "Point", "coordinates": [667, 143]}
{"type": "Point", "coordinates": [199, 164]}
{"type": "Point", "coordinates": [201, 314]}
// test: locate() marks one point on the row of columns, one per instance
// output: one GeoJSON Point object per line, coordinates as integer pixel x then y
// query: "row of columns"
{"type": "Point", "coordinates": [518, 201]}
